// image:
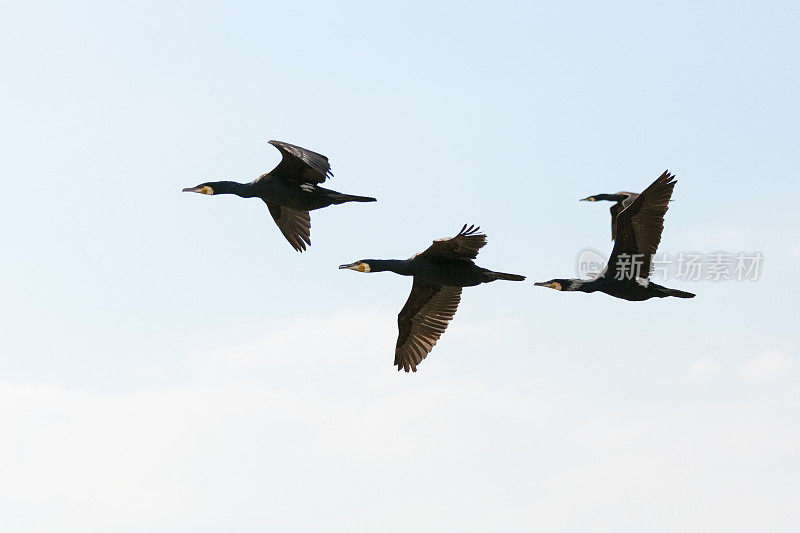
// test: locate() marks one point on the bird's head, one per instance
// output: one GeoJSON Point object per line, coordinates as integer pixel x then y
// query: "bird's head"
{"type": "Point", "coordinates": [589, 199]}
{"type": "Point", "coordinates": [203, 188]}
{"type": "Point", "coordinates": [557, 284]}
{"type": "Point", "coordinates": [358, 266]}
{"type": "Point", "coordinates": [216, 187]}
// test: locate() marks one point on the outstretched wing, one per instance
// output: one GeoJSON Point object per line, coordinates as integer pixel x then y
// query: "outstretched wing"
{"type": "Point", "coordinates": [422, 321]}
{"type": "Point", "coordinates": [293, 223]}
{"type": "Point", "coordinates": [617, 208]}
{"type": "Point", "coordinates": [465, 245]}
{"type": "Point", "coordinates": [639, 228]}
{"type": "Point", "coordinates": [300, 165]}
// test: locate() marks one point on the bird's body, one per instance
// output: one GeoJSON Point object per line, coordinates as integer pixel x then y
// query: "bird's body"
{"type": "Point", "coordinates": [625, 289]}
{"type": "Point", "coordinates": [290, 191]}
{"type": "Point", "coordinates": [306, 196]}
{"type": "Point", "coordinates": [439, 273]}
{"type": "Point", "coordinates": [638, 228]}
{"type": "Point", "coordinates": [444, 272]}
{"type": "Point", "coordinates": [621, 200]}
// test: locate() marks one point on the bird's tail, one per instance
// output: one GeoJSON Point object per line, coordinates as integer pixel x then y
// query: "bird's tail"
{"type": "Point", "coordinates": [504, 276]}
{"type": "Point", "coordinates": [679, 294]}
{"type": "Point", "coordinates": [342, 198]}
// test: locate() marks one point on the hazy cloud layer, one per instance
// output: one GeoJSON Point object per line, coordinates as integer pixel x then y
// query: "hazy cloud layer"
{"type": "Point", "coordinates": [238, 450]}
{"type": "Point", "coordinates": [704, 368]}
{"type": "Point", "coordinates": [768, 365]}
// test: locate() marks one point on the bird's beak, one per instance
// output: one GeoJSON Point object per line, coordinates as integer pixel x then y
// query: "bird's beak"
{"type": "Point", "coordinates": [202, 189]}
{"type": "Point", "coordinates": [587, 199]}
{"type": "Point", "coordinates": [549, 285]}
{"type": "Point", "coordinates": [358, 266]}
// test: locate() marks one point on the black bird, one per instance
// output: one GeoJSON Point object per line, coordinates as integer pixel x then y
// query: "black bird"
{"type": "Point", "coordinates": [623, 199]}
{"type": "Point", "coordinates": [439, 274]}
{"type": "Point", "coordinates": [290, 191]}
{"type": "Point", "coordinates": [639, 228]}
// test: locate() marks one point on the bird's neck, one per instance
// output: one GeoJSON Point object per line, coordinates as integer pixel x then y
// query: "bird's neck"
{"type": "Point", "coordinates": [581, 285]}
{"type": "Point", "coordinates": [231, 187]}
{"type": "Point", "coordinates": [611, 197]}
{"type": "Point", "coordinates": [398, 266]}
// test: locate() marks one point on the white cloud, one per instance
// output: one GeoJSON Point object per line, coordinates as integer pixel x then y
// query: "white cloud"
{"type": "Point", "coordinates": [453, 456]}
{"type": "Point", "coordinates": [765, 366]}
{"type": "Point", "coordinates": [704, 368]}
{"type": "Point", "coordinates": [359, 447]}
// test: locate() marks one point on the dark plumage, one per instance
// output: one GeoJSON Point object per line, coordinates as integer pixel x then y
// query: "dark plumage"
{"type": "Point", "coordinates": [639, 228]}
{"type": "Point", "coordinates": [290, 191]}
{"type": "Point", "coordinates": [623, 199]}
{"type": "Point", "coordinates": [439, 274]}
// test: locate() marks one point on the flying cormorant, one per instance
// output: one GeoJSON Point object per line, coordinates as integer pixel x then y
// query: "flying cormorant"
{"type": "Point", "coordinates": [623, 199]}
{"type": "Point", "coordinates": [639, 228]}
{"type": "Point", "coordinates": [439, 274]}
{"type": "Point", "coordinates": [290, 191]}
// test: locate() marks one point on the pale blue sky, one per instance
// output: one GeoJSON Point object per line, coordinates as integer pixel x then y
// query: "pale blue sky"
{"type": "Point", "coordinates": [125, 299]}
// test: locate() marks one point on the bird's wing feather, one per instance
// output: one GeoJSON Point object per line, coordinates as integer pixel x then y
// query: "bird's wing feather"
{"type": "Point", "coordinates": [422, 321]}
{"type": "Point", "coordinates": [300, 165]}
{"type": "Point", "coordinates": [295, 224]}
{"type": "Point", "coordinates": [465, 245]}
{"type": "Point", "coordinates": [639, 227]}
{"type": "Point", "coordinates": [617, 208]}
